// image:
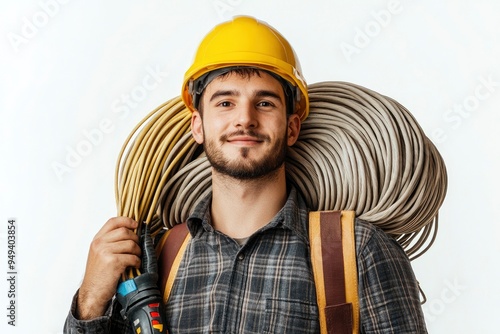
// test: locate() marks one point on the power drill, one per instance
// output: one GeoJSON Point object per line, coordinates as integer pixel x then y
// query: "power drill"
{"type": "Point", "coordinates": [140, 297]}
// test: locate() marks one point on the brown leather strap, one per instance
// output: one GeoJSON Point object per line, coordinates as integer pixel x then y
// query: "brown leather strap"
{"type": "Point", "coordinates": [333, 260]}
{"type": "Point", "coordinates": [168, 249]}
{"type": "Point", "coordinates": [329, 255]}
{"type": "Point", "coordinates": [339, 319]}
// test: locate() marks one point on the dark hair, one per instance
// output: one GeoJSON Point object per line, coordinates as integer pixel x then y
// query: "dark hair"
{"type": "Point", "coordinates": [244, 72]}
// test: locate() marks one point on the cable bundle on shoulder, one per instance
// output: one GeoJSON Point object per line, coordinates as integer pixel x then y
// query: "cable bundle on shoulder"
{"type": "Point", "coordinates": [358, 150]}
{"type": "Point", "coordinates": [149, 157]}
{"type": "Point", "coordinates": [362, 151]}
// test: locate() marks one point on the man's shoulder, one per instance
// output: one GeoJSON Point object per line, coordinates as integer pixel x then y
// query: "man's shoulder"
{"type": "Point", "coordinates": [370, 237]}
{"type": "Point", "coordinates": [366, 230]}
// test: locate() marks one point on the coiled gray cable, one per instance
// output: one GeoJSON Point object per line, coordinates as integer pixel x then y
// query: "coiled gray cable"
{"type": "Point", "coordinates": [358, 150]}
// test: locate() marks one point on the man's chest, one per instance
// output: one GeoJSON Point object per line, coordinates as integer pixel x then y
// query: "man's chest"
{"type": "Point", "coordinates": [223, 287]}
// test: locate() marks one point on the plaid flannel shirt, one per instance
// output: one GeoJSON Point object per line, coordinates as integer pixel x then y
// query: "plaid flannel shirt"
{"type": "Point", "coordinates": [266, 285]}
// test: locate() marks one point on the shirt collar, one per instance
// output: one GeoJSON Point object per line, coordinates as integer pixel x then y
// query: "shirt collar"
{"type": "Point", "coordinates": [293, 216]}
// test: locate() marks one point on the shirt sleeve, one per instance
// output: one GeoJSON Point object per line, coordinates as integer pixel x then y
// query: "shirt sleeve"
{"type": "Point", "coordinates": [388, 290]}
{"type": "Point", "coordinates": [110, 323]}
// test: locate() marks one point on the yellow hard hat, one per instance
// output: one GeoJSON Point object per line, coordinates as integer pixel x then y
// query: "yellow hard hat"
{"type": "Point", "coordinates": [245, 41]}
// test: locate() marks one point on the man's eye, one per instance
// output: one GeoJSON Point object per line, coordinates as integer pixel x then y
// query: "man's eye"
{"type": "Point", "coordinates": [225, 104]}
{"type": "Point", "coordinates": [265, 104]}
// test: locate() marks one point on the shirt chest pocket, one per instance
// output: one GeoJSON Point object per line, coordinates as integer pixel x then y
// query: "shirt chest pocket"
{"type": "Point", "coordinates": [290, 316]}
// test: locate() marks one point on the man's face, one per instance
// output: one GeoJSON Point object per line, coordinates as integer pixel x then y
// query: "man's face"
{"type": "Point", "coordinates": [244, 128]}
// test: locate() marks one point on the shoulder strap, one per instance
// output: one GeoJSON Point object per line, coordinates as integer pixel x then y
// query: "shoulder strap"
{"type": "Point", "coordinates": [169, 252]}
{"type": "Point", "coordinates": [333, 251]}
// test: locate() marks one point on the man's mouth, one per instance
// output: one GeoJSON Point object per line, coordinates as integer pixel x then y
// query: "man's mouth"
{"type": "Point", "coordinates": [244, 139]}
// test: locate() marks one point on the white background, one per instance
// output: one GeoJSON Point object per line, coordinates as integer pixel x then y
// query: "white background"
{"type": "Point", "coordinates": [68, 67]}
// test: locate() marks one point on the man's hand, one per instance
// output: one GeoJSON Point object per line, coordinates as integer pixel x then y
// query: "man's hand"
{"type": "Point", "coordinates": [114, 249]}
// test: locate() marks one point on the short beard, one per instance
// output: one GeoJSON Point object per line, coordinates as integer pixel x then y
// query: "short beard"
{"type": "Point", "coordinates": [267, 168]}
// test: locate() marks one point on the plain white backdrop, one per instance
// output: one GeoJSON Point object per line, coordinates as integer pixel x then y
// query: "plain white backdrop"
{"type": "Point", "coordinates": [77, 76]}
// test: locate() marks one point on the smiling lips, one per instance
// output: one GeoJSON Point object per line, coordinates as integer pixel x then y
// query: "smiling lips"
{"type": "Point", "coordinates": [245, 140]}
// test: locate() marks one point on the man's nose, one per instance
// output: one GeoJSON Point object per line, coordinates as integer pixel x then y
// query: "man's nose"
{"type": "Point", "coordinates": [246, 116]}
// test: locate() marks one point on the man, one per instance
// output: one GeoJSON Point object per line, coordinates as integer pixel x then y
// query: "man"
{"type": "Point", "coordinates": [247, 268]}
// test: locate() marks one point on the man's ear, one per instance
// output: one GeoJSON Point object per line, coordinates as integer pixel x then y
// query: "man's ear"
{"type": "Point", "coordinates": [293, 129]}
{"type": "Point", "coordinates": [197, 127]}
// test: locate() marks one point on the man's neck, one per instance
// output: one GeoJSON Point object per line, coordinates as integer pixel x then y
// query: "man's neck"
{"type": "Point", "coordinates": [240, 208]}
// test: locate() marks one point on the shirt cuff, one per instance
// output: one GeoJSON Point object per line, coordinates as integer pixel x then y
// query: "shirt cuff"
{"type": "Point", "coordinates": [99, 325]}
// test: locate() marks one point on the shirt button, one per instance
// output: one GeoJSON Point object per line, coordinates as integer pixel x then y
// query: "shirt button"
{"type": "Point", "coordinates": [241, 256]}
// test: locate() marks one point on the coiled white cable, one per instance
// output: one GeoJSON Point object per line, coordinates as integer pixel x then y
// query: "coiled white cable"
{"type": "Point", "coordinates": [358, 150]}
